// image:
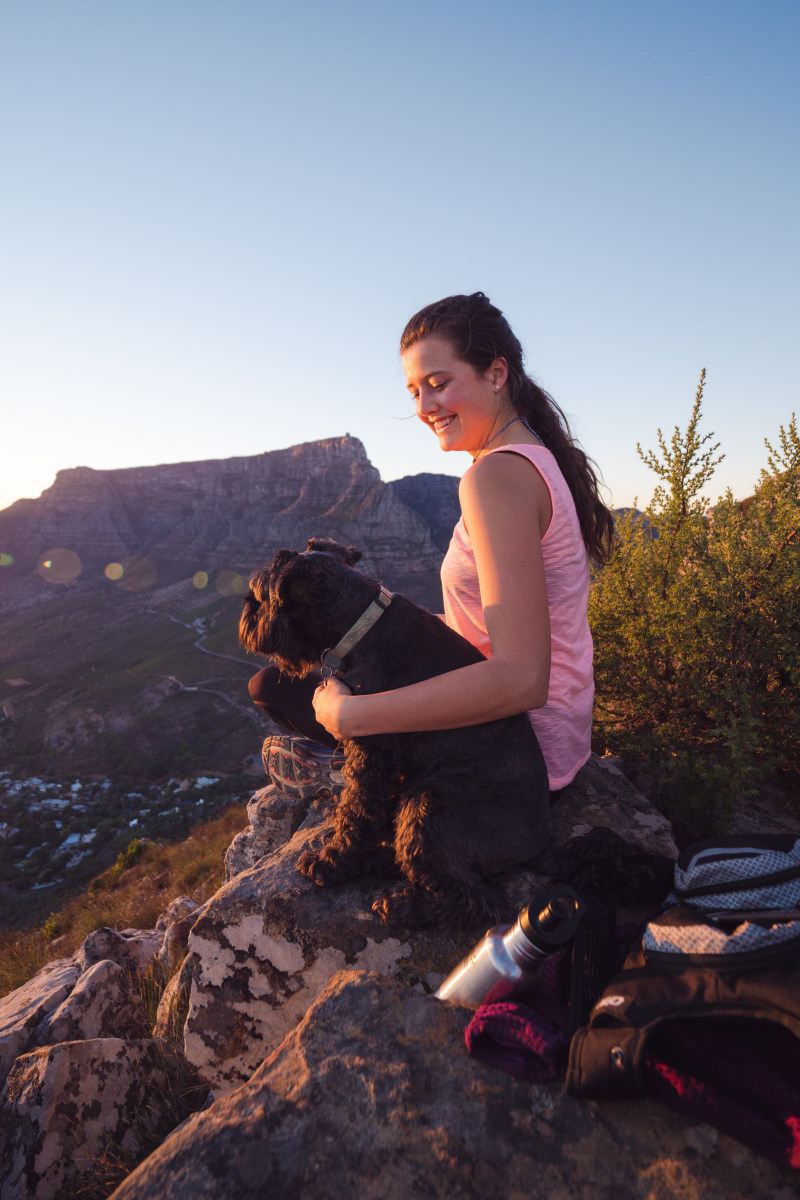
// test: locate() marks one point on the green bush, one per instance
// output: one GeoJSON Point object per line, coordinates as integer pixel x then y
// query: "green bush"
{"type": "Point", "coordinates": [696, 622]}
{"type": "Point", "coordinates": [129, 858]}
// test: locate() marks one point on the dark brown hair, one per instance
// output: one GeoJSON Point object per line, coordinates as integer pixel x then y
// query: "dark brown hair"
{"type": "Point", "coordinates": [479, 333]}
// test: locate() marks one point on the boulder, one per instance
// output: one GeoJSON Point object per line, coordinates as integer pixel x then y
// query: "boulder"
{"type": "Point", "coordinates": [274, 818]}
{"type": "Point", "coordinates": [135, 950]}
{"type": "Point", "coordinates": [63, 1105]}
{"type": "Point", "coordinates": [269, 941]}
{"type": "Point", "coordinates": [103, 1004]}
{"type": "Point", "coordinates": [177, 910]}
{"type": "Point", "coordinates": [22, 1011]}
{"type": "Point", "coordinates": [374, 1095]}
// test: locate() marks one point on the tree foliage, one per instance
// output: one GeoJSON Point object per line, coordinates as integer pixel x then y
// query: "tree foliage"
{"type": "Point", "coordinates": [696, 622]}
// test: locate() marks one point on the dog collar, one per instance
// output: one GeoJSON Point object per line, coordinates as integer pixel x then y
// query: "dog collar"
{"type": "Point", "coordinates": [355, 633]}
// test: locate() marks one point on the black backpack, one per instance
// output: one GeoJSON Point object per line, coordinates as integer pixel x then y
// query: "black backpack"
{"type": "Point", "coordinates": [705, 1013]}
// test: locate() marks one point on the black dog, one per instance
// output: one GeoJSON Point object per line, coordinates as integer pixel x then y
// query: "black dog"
{"type": "Point", "coordinates": [447, 808]}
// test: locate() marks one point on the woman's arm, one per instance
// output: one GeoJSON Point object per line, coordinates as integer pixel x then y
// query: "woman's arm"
{"type": "Point", "coordinates": [506, 508]}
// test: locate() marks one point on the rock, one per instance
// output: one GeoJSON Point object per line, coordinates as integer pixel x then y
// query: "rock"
{"type": "Point", "coordinates": [269, 941]}
{"type": "Point", "coordinates": [274, 818]}
{"type": "Point", "coordinates": [64, 1105]}
{"type": "Point", "coordinates": [103, 1004]}
{"type": "Point", "coordinates": [173, 947]}
{"type": "Point", "coordinates": [135, 950]}
{"type": "Point", "coordinates": [601, 796]}
{"type": "Point", "coordinates": [374, 1095]}
{"type": "Point", "coordinates": [22, 1011]}
{"type": "Point", "coordinates": [173, 1008]}
{"type": "Point", "coordinates": [177, 910]}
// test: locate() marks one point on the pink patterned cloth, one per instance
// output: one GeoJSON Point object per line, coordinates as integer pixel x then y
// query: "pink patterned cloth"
{"type": "Point", "coordinates": [564, 725]}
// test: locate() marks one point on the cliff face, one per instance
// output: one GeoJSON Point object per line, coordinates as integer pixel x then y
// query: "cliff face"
{"type": "Point", "coordinates": [137, 672]}
{"type": "Point", "coordinates": [229, 512]}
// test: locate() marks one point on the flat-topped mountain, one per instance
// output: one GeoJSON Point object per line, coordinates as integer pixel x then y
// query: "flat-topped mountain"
{"type": "Point", "coordinates": [235, 512]}
{"type": "Point", "coordinates": [119, 653]}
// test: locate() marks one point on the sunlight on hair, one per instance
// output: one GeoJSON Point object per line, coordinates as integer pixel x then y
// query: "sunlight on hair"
{"type": "Point", "coordinates": [59, 566]}
{"type": "Point", "coordinates": [6, 560]}
{"type": "Point", "coordinates": [200, 579]}
{"type": "Point", "coordinates": [114, 571]}
{"type": "Point", "coordinates": [230, 583]}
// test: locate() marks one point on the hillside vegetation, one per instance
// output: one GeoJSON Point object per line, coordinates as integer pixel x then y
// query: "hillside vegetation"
{"type": "Point", "coordinates": [696, 624]}
{"type": "Point", "coordinates": [129, 895]}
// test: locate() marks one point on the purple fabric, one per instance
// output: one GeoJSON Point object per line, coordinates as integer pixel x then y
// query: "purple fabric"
{"type": "Point", "coordinates": [519, 1040]}
{"type": "Point", "coordinates": [528, 1040]}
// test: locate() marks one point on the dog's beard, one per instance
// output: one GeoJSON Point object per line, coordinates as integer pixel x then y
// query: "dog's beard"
{"type": "Point", "coordinates": [266, 629]}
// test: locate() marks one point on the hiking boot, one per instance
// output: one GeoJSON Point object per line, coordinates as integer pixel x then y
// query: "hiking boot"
{"type": "Point", "coordinates": [302, 768]}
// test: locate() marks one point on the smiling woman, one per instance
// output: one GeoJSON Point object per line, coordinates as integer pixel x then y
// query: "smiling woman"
{"type": "Point", "coordinates": [516, 574]}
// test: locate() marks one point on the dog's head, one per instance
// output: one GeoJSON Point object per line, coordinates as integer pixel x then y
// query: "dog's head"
{"type": "Point", "coordinates": [301, 604]}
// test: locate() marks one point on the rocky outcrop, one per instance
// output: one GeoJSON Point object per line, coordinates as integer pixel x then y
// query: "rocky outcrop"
{"type": "Point", "coordinates": [269, 942]}
{"type": "Point", "coordinates": [102, 1004]}
{"type": "Point", "coordinates": [335, 1070]}
{"type": "Point", "coordinates": [374, 1095]}
{"type": "Point", "coordinates": [89, 995]}
{"type": "Point", "coordinates": [24, 1010]}
{"type": "Point", "coordinates": [64, 1105]}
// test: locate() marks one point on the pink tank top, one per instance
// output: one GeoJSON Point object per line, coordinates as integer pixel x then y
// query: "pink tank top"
{"type": "Point", "coordinates": [564, 724]}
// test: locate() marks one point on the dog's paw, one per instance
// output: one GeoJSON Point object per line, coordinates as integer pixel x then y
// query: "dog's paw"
{"type": "Point", "coordinates": [403, 905]}
{"type": "Point", "coordinates": [326, 866]}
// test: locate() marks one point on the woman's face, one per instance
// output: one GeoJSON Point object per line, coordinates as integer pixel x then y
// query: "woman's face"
{"type": "Point", "coordinates": [462, 407]}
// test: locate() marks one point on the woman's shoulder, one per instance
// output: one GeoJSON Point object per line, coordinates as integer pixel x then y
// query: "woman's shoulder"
{"type": "Point", "coordinates": [507, 482]}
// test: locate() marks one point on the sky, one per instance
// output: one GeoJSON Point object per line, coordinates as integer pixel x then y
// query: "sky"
{"type": "Point", "coordinates": [215, 220]}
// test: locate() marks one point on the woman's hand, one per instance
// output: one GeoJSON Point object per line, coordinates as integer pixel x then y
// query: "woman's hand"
{"type": "Point", "coordinates": [330, 705]}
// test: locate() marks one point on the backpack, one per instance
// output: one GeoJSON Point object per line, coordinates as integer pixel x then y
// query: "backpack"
{"type": "Point", "coordinates": [705, 1013]}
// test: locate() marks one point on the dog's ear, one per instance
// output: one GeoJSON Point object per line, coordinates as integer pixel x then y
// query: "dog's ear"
{"type": "Point", "coordinates": [300, 590]}
{"type": "Point", "coordinates": [248, 623]}
{"type": "Point", "coordinates": [349, 555]}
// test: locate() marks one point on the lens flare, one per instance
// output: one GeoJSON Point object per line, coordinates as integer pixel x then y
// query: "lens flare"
{"type": "Point", "coordinates": [6, 560]}
{"type": "Point", "coordinates": [59, 566]}
{"type": "Point", "coordinates": [114, 571]}
{"type": "Point", "coordinates": [138, 574]}
{"type": "Point", "coordinates": [231, 583]}
{"type": "Point", "coordinates": [200, 579]}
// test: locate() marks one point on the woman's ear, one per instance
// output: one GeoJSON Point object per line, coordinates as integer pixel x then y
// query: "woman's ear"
{"type": "Point", "coordinates": [498, 373]}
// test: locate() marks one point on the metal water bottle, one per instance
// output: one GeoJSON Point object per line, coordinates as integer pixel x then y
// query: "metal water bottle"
{"type": "Point", "coordinates": [508, 959]}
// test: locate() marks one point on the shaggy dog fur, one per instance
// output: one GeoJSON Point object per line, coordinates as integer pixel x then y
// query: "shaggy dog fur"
{"type": "Point", "coordinates": [445, 808]}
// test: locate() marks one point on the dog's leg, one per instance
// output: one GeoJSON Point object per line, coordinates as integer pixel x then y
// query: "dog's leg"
{"type": "Point", "coordinates": [441, 887]}
{"type": "Point", "coordinates": [362, 824]}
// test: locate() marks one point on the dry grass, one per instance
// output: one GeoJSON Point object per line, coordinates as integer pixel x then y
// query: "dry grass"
{"type": "Point", "coordinates": [131, 898]}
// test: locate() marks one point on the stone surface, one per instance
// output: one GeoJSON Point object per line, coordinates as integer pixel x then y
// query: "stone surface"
{"type": "Point", "coordinates": [269, 941]}
{"type": "Point", "coordinates": [177, 910]}
{"type": "Point", "coordinates": [374, 1095]}
{"type": "Point", "coordinates": [601, 796]}
{"type": "Point", "coordinates": [102, 1004]}
{"type": "Point", "coordinates": [63, 1105]}
{"type": "Point", "coordinates": [274, 818]}
{"type": "Point", "coordinates": [135, 950]}
{"type": "Point", "coordinates": [22, 1011]}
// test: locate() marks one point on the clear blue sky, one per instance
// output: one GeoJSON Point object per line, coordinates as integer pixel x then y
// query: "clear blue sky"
{"type": "Point", "coordinates": [217, 217]}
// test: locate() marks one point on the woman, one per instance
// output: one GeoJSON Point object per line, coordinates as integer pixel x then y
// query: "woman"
{"type": "Point", "coordinates": [516, 576]}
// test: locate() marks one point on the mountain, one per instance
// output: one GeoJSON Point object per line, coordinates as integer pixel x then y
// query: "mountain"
{"type": "Point", "coordinates": [121, 590]}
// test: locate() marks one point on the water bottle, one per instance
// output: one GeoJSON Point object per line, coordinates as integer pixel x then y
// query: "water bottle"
{"type": "Point", "coordinates": [508, 960]}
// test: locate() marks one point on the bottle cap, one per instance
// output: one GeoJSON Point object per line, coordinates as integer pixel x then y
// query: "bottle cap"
{"type": "Point", "coordinates": [550, 920]}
